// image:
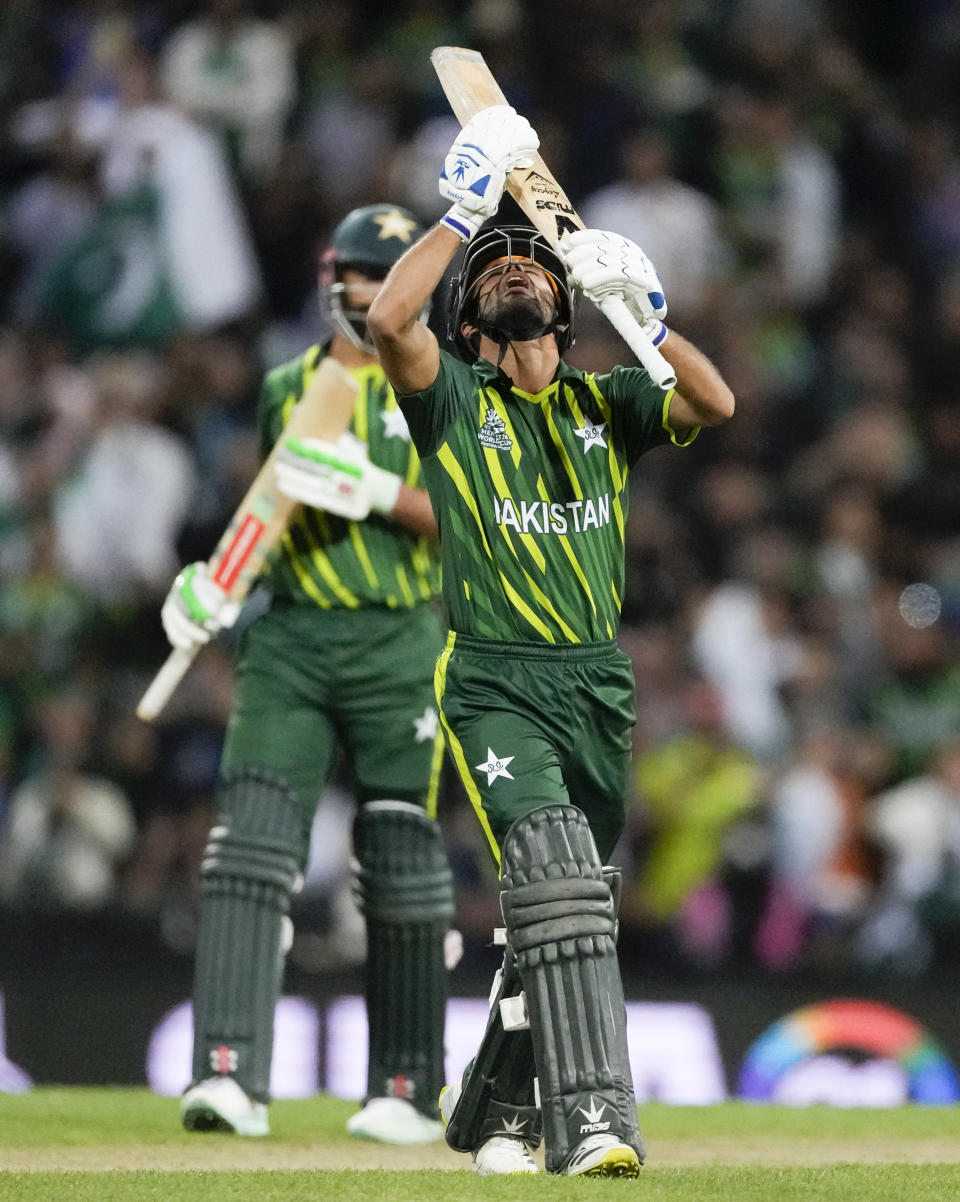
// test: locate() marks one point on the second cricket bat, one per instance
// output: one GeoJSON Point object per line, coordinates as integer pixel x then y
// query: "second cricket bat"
{"type": "Point", "coordinates": [324, 411]}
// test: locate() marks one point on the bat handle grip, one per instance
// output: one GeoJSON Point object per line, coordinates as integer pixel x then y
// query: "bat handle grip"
{"type": "Point", "coordinates": [163, 684]}
{"type": "Point", "coordinates": [623, 321]}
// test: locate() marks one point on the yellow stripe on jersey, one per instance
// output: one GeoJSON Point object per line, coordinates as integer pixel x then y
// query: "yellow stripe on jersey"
{"type": "Point", "coordinates": [616, 596]}
{"type": "Point", "coordinates": [453, 469]}
{"type": "Point", "coordinates": [369, 378]}
{"type": "Point", "coordinates": [436, 771]}
{"type": "Point", "coordinates": [665, 422]}
{"type": "Point", "coordinates": [545, 602]}
{"type": "Point", "coordinates": [456, 748]}
{"type": "Point", "coordinates": [493, 400]}
{"type": "Point", "coordinates": [307, 582]}
{"type": "Point", "coordinates": [618, 468]}
{"type": "Point", "coordinates": [362, 554]}
{"type": "Point", "coordinates": [562, 452]}
{"type": "Point", "coordinates": [492, 457]}
{"type": "Point", "coordinates": [569, 552]}
{"type": "Point", "coordinates": [405, 586]}
{"type": "Point", "coordinates": [525, 611]}
{"type": "Point", "coordinates": [420, 558]}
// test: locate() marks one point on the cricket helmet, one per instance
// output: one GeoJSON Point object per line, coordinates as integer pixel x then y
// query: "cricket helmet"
{"type": "Point", "coordinates": [368, 240]}
{"type": "Point", "coordinates": [483, 255]}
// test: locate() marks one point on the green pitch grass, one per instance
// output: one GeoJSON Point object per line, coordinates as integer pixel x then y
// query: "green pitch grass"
{"type": "Point", "coordinates": [102, 1145]}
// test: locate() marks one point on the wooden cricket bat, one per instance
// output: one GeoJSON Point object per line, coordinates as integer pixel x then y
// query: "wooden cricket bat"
{"type": "Point", "coordinates": [470, 86]}
{"type": "Point", "coordinates": [324, 411]}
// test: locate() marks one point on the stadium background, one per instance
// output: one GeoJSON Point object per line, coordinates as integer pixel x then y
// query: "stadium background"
{"type": "Point", "coordinates": [793, 607]}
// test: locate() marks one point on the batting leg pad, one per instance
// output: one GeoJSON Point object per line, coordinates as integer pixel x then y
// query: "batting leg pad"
{"type": "Point", "coordinates": [497, 1096]}
{"type": "Point", "coordinates": [561, 925]}
{"type": "Point", "coordinates": [405, 891]}
{"type": "Point", "coordinates": [253, 856]}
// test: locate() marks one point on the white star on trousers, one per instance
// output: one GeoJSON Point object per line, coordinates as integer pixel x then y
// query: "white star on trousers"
{"type": "Point", "coordinates": [425, 726]}
{"type": "Point", "coordinates": [495, 766]}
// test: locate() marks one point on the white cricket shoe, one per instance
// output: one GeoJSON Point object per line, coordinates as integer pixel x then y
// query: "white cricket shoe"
{"type": "Point", "coordinates": [220, 1104]}
{"type": "Point", "coordinates": [603, 1156]}
{"type": "Point", "coordinates": [503, 1156]}
{"type": "Point", "coordinates": [394, 1121]}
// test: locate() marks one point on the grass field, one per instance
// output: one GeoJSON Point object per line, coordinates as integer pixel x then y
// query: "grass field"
{"type": "Point", "coordinates": [111, 1145]}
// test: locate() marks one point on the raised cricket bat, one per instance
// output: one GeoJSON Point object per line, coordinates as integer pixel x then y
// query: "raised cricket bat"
{"type": "Point", "coordinates": [470, 86]}
{"type": "Point", "coordinates": [324, 411]}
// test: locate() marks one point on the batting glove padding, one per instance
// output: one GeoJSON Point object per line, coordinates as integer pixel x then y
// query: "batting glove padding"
{"type": "Point", "coordinates": [196, 609]}
{"type": "Point", "coordinates": [603, 264]}
{"type": "Point", "coordinates": [474, 173]}
{"type": "Point", "coordinates": [337, 477]}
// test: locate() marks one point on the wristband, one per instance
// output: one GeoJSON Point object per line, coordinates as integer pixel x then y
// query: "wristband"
{"type": "Point", "coordinates": [463, 223]}
{"type": "Point", "coordinates": [384, 488]}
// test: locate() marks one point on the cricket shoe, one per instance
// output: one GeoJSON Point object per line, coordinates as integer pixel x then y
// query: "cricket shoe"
{"type": "Point", "coordinates": [220, 1104]}
{"type": "Point", "coordinates": [394, 1121]}
{"type": "Point", "coordinates": [602, 1156]}
{"type": "Point", "coordinates": [503, 1156]}
{"type": "Point", "coordinates": [500, 1155]}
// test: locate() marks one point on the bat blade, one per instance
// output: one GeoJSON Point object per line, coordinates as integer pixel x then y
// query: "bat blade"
{"type": "Point", "coordinates": [470, 86]}
{"type": "Point", "coordinates": [259, 521]}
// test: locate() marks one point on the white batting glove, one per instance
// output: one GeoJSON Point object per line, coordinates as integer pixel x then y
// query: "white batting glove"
{"type": "Point", "coordinates": [474, 173]}
{"type": "Point", "coordinates": [335, 476]}
{"type": "Point", "coordinates": [603, 264]}
{"type": "Point", "coordinates": [196, 609]}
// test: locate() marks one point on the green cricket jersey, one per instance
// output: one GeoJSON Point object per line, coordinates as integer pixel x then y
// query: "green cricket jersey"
{"type": "Point", "coordinates": [530, 492]}
{"type": "Point", "coordinates": [328, 560]}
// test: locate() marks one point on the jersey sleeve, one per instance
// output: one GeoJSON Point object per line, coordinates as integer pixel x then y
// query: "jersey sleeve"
{"type": "Point", "coordinates": [429, 413]}
{"type": "Point", "coordinates": [640, 411]}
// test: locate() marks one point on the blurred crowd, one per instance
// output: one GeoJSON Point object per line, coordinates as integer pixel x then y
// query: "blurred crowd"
{"type": "Point", "coordinates": [169, 174]}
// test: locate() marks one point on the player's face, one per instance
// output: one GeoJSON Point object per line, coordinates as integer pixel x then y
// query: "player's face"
{"type": "Point", "coordinates": [516, 294]}
{"type": "Point", "coordinates": [359, 290]}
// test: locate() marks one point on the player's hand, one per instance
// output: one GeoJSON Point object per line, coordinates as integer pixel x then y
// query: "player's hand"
{"type": "Point", "coordinates": [474, 173]}
{"type": "Point", "coordinates": [603, 264]}
{"type": "Point", "coordinates": [196, 609]}
{"type": "Point", "coordinates": [335, 476]}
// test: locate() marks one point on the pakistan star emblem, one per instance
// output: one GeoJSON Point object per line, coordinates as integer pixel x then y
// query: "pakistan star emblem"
{"type": "Point", "coordinates": [495, 766]}
{"type": "Point", "coordinates": [493, 432]}
{"type": "Point", "coordinates": [426, 726]}
{"type": "Point", "coordinates": [591, 434]}
{"type": "Point", "coordinates": [395, 424]}
{"type": "Point", "coordinates": [395, 224]}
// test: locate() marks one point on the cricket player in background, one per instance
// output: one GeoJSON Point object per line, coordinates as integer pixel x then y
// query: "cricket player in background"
{"type": "Point", "coordinates": [527, 461]}
{"type": "Point", "coordinates": [342, 660]}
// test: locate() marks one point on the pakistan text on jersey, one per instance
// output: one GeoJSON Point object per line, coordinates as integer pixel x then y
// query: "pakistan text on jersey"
{"type": "Point", "coordinates": [553, 517]}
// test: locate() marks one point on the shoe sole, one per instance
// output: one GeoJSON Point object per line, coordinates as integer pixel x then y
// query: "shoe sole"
{"type": "Point", "coordinates": [205, 1118]}
{"type": "Point", "coordinates": [382, 1137]}
{"type": "Point", "coordinates": [618, 1162]}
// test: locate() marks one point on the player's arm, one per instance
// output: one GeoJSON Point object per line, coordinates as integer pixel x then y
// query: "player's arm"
{"type": "Point", "coordinates": [413, 510]}
{"type": "Point", "coordinates": [474, 173]}
{"type": "Point", "coordinates": [408, 350]}
{"type": "Point", "coordinates": [702, 397]}
{"type": "Point", "coordinates": [601, 264]}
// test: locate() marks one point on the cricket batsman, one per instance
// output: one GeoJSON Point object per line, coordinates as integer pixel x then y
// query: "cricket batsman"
{"type": "Point", "coordinates": [340, 664]}
{"type": "Point", "coordinates": [528, 462]}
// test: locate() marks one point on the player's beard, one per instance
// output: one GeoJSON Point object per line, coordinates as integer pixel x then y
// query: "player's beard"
{"type": "Point", "coordinates": [519, 317]}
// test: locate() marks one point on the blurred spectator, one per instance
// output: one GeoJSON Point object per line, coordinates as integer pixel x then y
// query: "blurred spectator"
{"type": "Point", "coordinates": [780, 193]}
{"type": "Point", "coordinates": [677, 226]}
{"type": "Point", "coordinates": [820, 873]}
{"type": "Point", "coordinates": [118, 517]}
{"type": "Point", "coordinates": [744, 644]}
{"type": "Point", "coordinates": [234, 72]}
{"type": "Point", "coordinates": [916, 827]}
{"type": "Point", "coordinates": [691, 790]}
{"type": "Point", "coordinates": [66, 834]}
